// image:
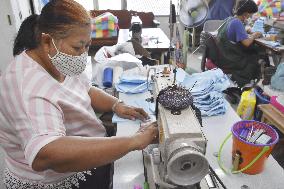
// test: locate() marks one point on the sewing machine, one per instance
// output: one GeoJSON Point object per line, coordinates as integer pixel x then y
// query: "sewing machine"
{"type": "Point", "coordinates": [178, 160]}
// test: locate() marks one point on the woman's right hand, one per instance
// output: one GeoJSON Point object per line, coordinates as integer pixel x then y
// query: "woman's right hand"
{"type": "Point", "coordinates": [147, 134]}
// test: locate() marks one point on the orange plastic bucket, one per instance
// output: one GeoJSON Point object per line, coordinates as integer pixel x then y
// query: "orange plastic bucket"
{"type": "Point", "coordinates": [254, 154]}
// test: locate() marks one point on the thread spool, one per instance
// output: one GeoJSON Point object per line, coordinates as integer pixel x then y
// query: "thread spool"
{"type": "Point", "coordinates": [117, 71]}
{"type": "Point", "coordinates": [107, 77]}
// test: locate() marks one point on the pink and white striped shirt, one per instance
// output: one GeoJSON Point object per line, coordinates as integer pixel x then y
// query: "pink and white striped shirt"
{"type": "Point", "coordinates": [35, 109]}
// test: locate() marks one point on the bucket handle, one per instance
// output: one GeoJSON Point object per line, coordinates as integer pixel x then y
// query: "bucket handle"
{"type": "Point", "coordinates": [265, 149]}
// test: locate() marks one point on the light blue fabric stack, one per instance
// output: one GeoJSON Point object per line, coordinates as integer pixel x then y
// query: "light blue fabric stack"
{"type": "Point", "coordinates": [258, 26]}
{"type": "Point", "coordinates": [206, 88]}
{"type": "Point", "coordinates": [132, 84]}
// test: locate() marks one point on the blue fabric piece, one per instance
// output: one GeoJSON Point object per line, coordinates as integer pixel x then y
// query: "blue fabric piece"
{"type": "Point", "coordinates": [148, 107]}
{"type": "Point", "coordinates": [208, 97]}
{"type": "Point", "coordinates": [131, 88]}
{"type": "Point", "coordinates": [236, 31]}
{"type": "Point", "coordinates": [180, 75]}
{"type": "Point", "coordinates": [132, 83]}
{"type": "Point", "coordinates": [220, 9]}
{"type": "Point", "coordinates": [273, 31]}
{"type": "Point", "coordinates": [206, 88]}
{"type": "Point", "coordinates": [258, 26]}
{"type": "Point", "coordinates": [207, 81]}
{"type": "Point", "coordinates": [44, 2]}
{"type": "Point", "coordinates": [272, 43]}
{"type": "Point", "coordinates": [132, 78]}
{"type": "Point", "coordinates": [217, 109]}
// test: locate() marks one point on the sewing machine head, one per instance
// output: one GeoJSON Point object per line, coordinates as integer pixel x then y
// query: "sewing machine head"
{"type": "Point", "coordinates": [178, 161]}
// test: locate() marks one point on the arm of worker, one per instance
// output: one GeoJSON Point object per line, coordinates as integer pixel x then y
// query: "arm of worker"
{"type": "Point", "coordinates": [74, 154]}
{"type": "Point", "coordinates": [250, 40]}
{"type": "Point", "coordinates": [248, 30]}
{"type": "Point", "coordinates": [108, 103]}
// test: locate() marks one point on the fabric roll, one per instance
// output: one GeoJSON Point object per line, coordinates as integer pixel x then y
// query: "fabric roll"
{"type": "Point", "coordinates": [107, 77]}
{"type": "Point", "coordinates": [117, 71]}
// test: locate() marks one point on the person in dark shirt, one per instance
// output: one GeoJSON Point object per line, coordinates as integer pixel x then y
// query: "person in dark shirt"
{"type": "Point", "coordinates": [239, 53]}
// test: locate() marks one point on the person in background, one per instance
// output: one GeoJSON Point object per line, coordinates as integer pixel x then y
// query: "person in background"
{"type": "Point", "coordinates": [49, 130]}
{"type": "Point", "coordinates": [240, 54]}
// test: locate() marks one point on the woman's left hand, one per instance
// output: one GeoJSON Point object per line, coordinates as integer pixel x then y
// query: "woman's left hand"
{"type": "Point", "coordinates": [129, 112]}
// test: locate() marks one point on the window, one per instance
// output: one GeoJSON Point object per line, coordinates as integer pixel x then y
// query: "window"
{"type": "Point", "coordinates": [158, 7]}
{"type": "Point", "coordinates": [109, 4]}
{"type": "Point", "coordinates": [87, 4]}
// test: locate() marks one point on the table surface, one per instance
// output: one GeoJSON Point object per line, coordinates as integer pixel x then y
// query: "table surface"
{"type": "Point", "coordinates": [129, 169]}
{"type": "Point", "coordinates": [263, 42]}
{"type": "Point", "coordinates": [275, 23]}
{"type": "Point", "coordinates": [157, 39]}
{"type": "Point", "coordinates": [269, 90]}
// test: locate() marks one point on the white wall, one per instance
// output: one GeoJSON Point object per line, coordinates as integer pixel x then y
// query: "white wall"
{"type": "Point", "coordinates": [21, 9]}
{"type": "Point", "coordinates": [87, 4]}
{"type": "Point", "coordinates": [7, 33]}
{"type": "Point", "coordinates": [37, 6]}
{"type": "Point", "coordinates": [17, 10]}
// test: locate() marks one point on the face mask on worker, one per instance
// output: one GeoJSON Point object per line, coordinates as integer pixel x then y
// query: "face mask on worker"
{"type": "Point", "coordinates": [247, 19]}
{"type": "Point", "coordinates": [69, 65]}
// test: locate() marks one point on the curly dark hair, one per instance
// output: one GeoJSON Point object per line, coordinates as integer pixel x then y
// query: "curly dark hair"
{"type": "Point", "coordinates": [246, 6]}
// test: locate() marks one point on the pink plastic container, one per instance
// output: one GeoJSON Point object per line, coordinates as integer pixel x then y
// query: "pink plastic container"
{"type": "Point", "coordinates": [276, 104]}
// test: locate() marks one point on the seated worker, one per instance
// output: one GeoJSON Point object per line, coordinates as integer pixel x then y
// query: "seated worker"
{"type": "Point", "coordinates": [49, 130]}
{"type": "Point", "coordinates": [239, 53]}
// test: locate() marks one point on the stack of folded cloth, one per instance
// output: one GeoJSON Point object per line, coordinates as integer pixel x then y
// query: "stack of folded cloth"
{"type": "Point", "coordinates": [131, 83]}
{"type": "Point", "coordinates": [104, 25]}
{"type": "Point", "coordinates": [206, 88]}
{"type": "Point", "coordinates": [258, 26]}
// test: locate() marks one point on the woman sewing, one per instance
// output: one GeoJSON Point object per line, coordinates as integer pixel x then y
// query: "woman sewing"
{"type": "Point", "coordinates": [240, 55]}
{"type": "Point", "coordinates": [49, 130]}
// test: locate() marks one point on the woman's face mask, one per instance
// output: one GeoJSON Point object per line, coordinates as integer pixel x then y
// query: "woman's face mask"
{"type": "Point", "coordinates": [69, 65]}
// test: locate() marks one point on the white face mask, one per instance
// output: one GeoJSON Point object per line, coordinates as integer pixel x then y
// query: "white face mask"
{"type": "Point", "coordinates": [69, 65]}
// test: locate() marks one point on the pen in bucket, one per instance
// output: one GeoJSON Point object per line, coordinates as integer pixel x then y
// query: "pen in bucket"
{"type": "Point", "coordinates": [244, 133]}
{"type": "Point", "coordinates": [250, 134]}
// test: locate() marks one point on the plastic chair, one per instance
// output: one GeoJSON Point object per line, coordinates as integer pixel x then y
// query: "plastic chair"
{"type": "Point", "coordinates": [212, 25]}
{"type": "Point", "coordinates": [211, 53]}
